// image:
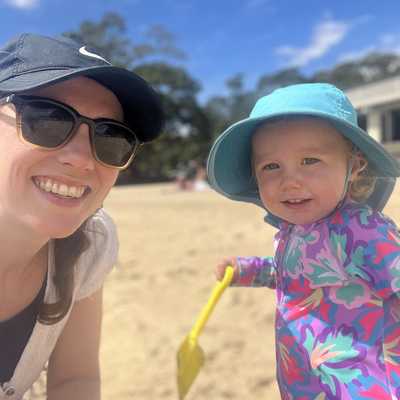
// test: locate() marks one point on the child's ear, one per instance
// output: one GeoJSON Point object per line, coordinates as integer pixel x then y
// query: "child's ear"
{"type": "Point", "coordinates": [359, 165]}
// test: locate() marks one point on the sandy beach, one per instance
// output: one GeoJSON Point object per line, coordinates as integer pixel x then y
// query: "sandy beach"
{"type": "Point", "coordinates": [170, 242]}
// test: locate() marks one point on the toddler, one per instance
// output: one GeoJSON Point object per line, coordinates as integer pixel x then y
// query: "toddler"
{"type": "Point", "coordinates": [323, 183]}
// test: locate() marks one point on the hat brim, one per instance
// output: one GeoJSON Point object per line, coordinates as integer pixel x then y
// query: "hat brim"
{"type": "Point", "coordinates": [229, 164]}
{"type": "Point", "coordinates": [140, 103]}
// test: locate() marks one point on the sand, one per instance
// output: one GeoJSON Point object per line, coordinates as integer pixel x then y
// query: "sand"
{"type": "Point", "coordinates": [170, 242]}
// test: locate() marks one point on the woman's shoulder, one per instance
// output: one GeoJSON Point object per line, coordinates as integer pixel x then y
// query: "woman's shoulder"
{"type": "Point", "coordinates": [102, 236]}
{"type": "Point", "coordinates": [100, 224]}
{"type": "Point", "coordinates": [101, 255]}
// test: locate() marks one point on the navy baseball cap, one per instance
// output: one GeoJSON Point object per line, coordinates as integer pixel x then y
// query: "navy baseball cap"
{"type": "Point", "coordinates": [31, 61]}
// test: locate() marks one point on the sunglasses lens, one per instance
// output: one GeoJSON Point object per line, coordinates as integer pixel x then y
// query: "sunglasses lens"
{"type": "Point", "coordinates": [114, 144]}
{"type": "Point", "coordinates": [45, 124]}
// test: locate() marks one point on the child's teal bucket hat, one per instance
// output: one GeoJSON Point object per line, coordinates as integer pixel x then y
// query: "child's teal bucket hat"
{"type": "Point", "coordinates": [229, 163]}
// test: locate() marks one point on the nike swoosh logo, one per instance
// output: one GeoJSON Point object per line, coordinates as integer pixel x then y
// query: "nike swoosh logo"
{"type": "Point", "coordinates": [87, 53]}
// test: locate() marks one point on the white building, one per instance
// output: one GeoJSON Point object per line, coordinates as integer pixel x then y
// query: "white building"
{"type": "Point", "coordinates": [378, 105]}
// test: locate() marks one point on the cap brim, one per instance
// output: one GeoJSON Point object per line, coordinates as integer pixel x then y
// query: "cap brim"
{"type": "Point", "coordinates": [229, 164]}
{"type": "Point", "coordinates": [141, 104]}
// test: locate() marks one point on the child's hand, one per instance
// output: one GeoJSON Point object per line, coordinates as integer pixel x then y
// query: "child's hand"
{"type": "Point", "coordinates": [221, 267]}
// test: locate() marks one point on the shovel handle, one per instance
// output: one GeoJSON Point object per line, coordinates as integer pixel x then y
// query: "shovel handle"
{"type": "Point", "coordinates": [212, 301]}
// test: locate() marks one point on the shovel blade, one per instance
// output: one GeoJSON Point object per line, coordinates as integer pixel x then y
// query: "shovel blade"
{"type": "Point", "coordinates": [190, 359]}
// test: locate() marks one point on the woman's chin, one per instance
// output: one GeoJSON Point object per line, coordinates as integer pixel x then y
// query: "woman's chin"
{"type": "Point", "coordinates": [59, 229]}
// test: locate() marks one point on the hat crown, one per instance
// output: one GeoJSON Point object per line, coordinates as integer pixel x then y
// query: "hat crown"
{"type": "Point", "coordinates": [306, 98]}
{"type": "Point", "coordinates": [28, 53]}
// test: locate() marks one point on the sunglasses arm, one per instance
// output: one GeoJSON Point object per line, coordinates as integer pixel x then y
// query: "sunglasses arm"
{"type": "Point", "coordinates": [3, 115]}
{"type": "Point", "coordinates": [6, 99]}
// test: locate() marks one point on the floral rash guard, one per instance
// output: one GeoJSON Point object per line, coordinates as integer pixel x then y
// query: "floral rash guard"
{"type": "Point", "coordinates": [338, 310]}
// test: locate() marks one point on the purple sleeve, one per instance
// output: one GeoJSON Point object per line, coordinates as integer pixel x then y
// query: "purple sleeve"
{"type": "Point", "coordinates": [256, 272]}
{"type": "Point", "coordinates": [371, 242]}
{"type": "Point", "coordinates": [382, 259]}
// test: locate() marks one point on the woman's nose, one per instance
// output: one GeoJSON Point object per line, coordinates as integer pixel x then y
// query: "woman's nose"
{"type": "Point", "coordinates": [77, 152]}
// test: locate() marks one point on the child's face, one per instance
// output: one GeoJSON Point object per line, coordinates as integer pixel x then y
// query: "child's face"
{"type": "Point", "coordinates": [300, 168]}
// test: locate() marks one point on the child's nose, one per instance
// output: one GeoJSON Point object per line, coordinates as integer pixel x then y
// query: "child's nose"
{"type": "Point", "coordinates": [291, 179]}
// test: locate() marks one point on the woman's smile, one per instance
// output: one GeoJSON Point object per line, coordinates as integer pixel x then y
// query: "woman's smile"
{"type": "Point", "coordinates": [51, 185]}
{"type": "Point", "coordinates": [61, 193]}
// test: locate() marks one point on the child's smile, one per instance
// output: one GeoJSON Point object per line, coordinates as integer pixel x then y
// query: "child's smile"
{"type": "Point", "coordinates": [296, 203]}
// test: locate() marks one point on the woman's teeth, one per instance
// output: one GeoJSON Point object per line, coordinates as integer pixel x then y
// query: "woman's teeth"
{"type": "Point", "coordinates": [48, 185]}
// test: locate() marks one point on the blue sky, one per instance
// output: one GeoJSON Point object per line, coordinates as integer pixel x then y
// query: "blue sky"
{"type": "Point", "coordinates": [222, 38]}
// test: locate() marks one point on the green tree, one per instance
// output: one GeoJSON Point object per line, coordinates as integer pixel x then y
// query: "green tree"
{"type": "Point", "coordinates": [187, 130]}
{"type": "Point", "coordinates": [371, 68]}
{"type": "Point", "coordinates": [222, 111]}
{"type": "Point", "coordinates": [188, 133]}
{"type": "Point", "coordinates": [109, 38]}
{"type": "Point", "coordinates": [269, 82]}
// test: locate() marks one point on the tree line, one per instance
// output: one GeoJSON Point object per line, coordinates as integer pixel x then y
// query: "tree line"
{"type": "Point", "coordinates": [191, 127]}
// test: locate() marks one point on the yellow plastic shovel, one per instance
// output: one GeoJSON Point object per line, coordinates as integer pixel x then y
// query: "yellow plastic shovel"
{"type": "Point", "coordinates": [190, 355]}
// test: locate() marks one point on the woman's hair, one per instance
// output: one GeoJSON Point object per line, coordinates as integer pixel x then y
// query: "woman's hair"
{"type": "Point", "coordinates": [66, 253]}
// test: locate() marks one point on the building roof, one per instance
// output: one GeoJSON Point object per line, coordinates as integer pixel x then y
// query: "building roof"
{"type": "Point", "coordinates": [378, 93]}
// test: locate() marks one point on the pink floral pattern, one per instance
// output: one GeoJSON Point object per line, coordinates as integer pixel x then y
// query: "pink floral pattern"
{"type": "Point", "coordinates": [338, 318]}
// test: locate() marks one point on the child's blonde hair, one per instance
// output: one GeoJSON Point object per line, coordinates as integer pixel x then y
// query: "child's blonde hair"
{"type": "Point", "coordinates": [363, 185]}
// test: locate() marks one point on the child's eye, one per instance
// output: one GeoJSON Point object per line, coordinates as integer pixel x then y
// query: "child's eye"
{"type": "Point", "coordinates": [271, 166]}
{"type": "Point", "coordinates": [310, 161]}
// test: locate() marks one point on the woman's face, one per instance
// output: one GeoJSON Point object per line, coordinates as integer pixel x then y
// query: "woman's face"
{"type": "Point", "coordinates": [51, 193]}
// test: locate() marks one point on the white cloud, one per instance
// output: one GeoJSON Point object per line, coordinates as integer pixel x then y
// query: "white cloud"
{"type": "Point", "coordinates": [325, 35]}
{"type": "Point", "coordinates": [386, 43]}
{"type": "Point", "coordinates": [23, 4]}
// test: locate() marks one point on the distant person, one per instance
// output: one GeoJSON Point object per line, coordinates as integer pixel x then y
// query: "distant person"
{"type": "Point", "coordinates": [200, 180]}
{"type": "Point", "coordinates": [192, 177]}
{"type": "Point", "coordinates": [69, 122]}
{"type": "Point", "coordinates": [191, 170]}
{"type": "Point", "coordinates": [185, 175]}
{"type": "Point", "coordinates": [323, 181]}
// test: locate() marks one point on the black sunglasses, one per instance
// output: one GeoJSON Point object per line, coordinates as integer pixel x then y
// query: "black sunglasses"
{"type": "Point", "coordinates": [50, 124]}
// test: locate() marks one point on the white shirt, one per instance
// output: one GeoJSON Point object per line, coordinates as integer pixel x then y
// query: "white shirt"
{"type": "Point", "coordinates": [91, 269]}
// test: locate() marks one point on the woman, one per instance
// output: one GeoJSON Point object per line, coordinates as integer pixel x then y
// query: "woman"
{"type": "Point", "coordinates": [69, 122]}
